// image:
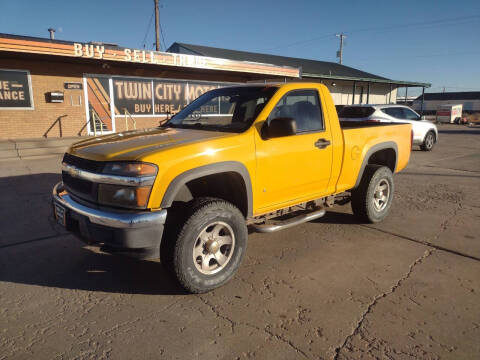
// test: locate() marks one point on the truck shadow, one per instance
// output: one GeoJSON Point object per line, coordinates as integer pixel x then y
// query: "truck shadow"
{"type": "Point", "coordinates": [34, 250]}
{"type": "Point", "coordinates": [336, 217]}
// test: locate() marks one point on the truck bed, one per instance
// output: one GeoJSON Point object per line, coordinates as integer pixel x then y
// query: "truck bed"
{"type": "Point", "coordinates": [361, 137]}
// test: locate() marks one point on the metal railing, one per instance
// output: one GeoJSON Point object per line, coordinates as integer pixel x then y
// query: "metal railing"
{"type": "Point", "coordinates": [129, 116]}
{"type": "Point", "coordinates": [98, 124]}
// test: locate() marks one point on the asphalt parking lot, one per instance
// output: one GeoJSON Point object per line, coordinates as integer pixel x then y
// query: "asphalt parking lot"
{"type": "Point", "coordinates": [408, 288]}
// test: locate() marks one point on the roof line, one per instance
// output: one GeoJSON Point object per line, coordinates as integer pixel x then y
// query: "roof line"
{"type": "Point", "coordinates": [365, 77]}
{"type": "Point", "coordinates": [385, 81]}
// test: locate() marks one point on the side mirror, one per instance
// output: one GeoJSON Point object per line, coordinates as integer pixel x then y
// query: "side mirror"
{"type": "Point", "coordinates": [423, 117]}
{"type": "Point", "coordinates": [279, 127]}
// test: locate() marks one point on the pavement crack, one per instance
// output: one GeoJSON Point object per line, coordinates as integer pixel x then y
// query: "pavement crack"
{"type": "Point", "coordinates": [218, 314]}
{"type": "Point", "coordinates": [266, 330]}
{"type": "Point", "coordinates": [286, 341]}
{"type": "Point", "coordinates": [377, 298]}
{"type": "Point", "coordinates": [423, 242]}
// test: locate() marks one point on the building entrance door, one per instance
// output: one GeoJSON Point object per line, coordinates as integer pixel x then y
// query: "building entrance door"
{"type": "Point", "coordinates": [98, 92]}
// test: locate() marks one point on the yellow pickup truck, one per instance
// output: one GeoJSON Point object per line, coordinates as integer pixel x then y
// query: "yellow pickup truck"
{"type": "Point", "coordinates": [264, 156]}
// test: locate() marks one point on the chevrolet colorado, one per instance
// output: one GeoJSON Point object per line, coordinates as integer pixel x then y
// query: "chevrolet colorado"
{"type": "Point", "coordinates": [264, 156]}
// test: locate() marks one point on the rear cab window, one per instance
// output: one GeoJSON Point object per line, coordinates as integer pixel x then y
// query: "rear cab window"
{"type": "Point", "coordinates": [353, 112]}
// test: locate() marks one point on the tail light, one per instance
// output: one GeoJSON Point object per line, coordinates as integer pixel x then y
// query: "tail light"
{"type": "Point", "coordinates": [373, 121]}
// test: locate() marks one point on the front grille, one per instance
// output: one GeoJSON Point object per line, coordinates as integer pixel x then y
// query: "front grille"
{"type": "Point", "coordinates": [81, 188]}
{"type": "Point", "coordinates": [79, 185]}
{"type": "Point", "coordinates": [84, 164]}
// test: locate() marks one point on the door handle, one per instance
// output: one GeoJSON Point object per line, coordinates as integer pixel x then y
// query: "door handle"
{"type": "Point", "coordinates": [322, 143]}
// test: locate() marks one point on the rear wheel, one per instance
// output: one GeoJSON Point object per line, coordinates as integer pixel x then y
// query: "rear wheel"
{"type": "Point", "coordinates": [372, 200]}
{"type": "Point", "coordinates": [210, 245]}
{"type": "Point", "coordinates": [428, 142]}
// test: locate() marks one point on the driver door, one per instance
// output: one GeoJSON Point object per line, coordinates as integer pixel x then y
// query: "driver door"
{"type": "Point", "coordinates": [297, 167]}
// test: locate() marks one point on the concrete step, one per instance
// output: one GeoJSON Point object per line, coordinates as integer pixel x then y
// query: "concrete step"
{"type": "Point", "coordinates": [8, 154]}
{"type": "Point", "coordinates": [42, 151]}
{"type": "Point", "coordinates": [7, 145]}
{"type": "Point", "coordinates": [45, 143]}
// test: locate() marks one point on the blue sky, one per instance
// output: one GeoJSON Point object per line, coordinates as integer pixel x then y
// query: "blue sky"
{"type": "Point", "coordinates": [422, 40]}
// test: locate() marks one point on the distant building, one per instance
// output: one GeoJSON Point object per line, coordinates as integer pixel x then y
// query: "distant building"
{"type": "Point", "coordinates": [469, 99]}
{"type": "Point", "coordinates": [408, 100]}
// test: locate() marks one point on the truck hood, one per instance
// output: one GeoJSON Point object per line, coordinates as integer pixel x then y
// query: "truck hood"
{"type": "Point", "coordinates": [132, 145]}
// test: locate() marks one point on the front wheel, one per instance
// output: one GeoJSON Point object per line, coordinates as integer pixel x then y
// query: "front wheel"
{"type": "Point", "coordinates": [372, 200]}
{"type": "Point", "coordinates": [428, 142]}
{"type": "Point", "coordinates": [210, 245]}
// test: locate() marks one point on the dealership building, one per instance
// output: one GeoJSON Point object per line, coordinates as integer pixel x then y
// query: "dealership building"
{"type": "Point", "coordinates": [53, 88]}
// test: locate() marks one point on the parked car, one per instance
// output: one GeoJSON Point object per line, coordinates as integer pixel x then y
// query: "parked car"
{"type": "Point", "coordinates": [425, 133]}
{"type": "Point", "coordinates": [236, 156]}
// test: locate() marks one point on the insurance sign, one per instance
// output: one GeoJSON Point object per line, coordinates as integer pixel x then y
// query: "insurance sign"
{"type": "Point", "coordinates": [15, 90]}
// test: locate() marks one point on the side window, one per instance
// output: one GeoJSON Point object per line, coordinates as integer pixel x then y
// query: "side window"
{"type": "Point", "coordinates": [387, 111]}
{"type": "Point", "coordinates": [395, 112]}
{"type": "Point", "coordinates": [409, 114]}
{"type": "Point", "coordinates": [304, 107]}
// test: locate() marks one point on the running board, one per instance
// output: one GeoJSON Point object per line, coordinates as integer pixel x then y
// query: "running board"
{"type": "Point", "coordinates": [280, 225]}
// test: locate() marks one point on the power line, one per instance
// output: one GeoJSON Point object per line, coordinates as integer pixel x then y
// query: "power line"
{"type": "Point", "coordinates": [459, 20]}
{"type": "Point", "coordinates": [455, 53]}
{"type": "Point", "coordinates": [161, 30]}
{"type": "Point", "coordinates": [433, 23]}
{"type": "Point", "coordinates": [298, 42]}
{"type": "Point", "coordinates": [148, 30]}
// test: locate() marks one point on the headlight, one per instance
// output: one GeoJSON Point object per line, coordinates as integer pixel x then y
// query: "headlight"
{"type": "Point", "coordinates": [133, 197]}
{"type": "Point", "coordinates": [124, 196]}
{"type": "Point", "coordinates": [130, 169]}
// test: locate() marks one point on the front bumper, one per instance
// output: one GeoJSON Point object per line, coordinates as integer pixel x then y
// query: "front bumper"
{"type": "Point", "coordinates": [135, 234]}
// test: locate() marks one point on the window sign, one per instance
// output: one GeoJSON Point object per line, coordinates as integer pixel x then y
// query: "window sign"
{"type": "Point", "coordinates": [170, 96]}
{"type": "Point", "coordinates": [133, 95]}
{"type": "Point", "coordinates": [153, 97]}
{"type": "Point", "coordinates": [15, 90]}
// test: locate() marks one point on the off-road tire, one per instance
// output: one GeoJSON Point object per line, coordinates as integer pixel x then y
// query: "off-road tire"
{"type": "Point", "coordinates": [363, 197]}
{"type": "Point", "coordinates": [199, 214]}
{"type": "Point", "coordinates": [428, 142]}
{"type": "Point", "coordinates": [178, 214]}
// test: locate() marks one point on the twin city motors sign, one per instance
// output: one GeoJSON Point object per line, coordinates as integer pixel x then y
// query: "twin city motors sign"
{"type": "Point", "coordinates": [154, 96]}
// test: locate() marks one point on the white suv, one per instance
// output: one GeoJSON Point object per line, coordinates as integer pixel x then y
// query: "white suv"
{"type": "Point", "coordinates": [425, 133]}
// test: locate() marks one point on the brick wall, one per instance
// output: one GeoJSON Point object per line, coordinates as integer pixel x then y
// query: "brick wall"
{"type": "Point", "coordinates": [34, 123]}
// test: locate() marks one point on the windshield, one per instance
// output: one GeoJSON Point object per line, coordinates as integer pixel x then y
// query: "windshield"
{"type": "Point", "coordinates": [231, 109]}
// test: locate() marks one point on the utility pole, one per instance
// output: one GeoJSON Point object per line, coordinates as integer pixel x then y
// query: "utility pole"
{"type": "Point", "coordinates": [157, 26]}
{"type": "Point", "coordinates": [340, 52]}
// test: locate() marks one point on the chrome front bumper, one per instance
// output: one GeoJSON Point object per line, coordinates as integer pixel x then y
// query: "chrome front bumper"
{"type": "Point", "coordinates": [112, 219]}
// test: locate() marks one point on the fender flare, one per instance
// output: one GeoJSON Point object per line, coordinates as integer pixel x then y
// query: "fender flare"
{"type": "Point", "coordinates": [377, 147]}
{"type": "Point", "coordinates": [210, 169]}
